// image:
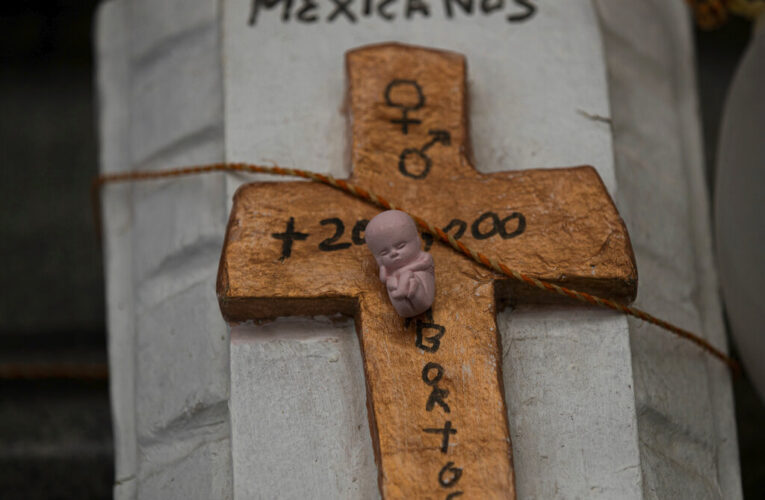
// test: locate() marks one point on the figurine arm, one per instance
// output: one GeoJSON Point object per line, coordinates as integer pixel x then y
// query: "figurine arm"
{"type": "Point", "coordinates": [398, 285]}
{"type": "Point", "coordinates": [424, 262]}
{"type": "Point", "coordinates": [412, 284]}
{"type": "Point", "coordinates": [383, 274]}
{"type": "Point", "coordinates": [422, 280]}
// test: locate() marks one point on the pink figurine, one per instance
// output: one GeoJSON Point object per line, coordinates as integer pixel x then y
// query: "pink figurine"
{"type": "Point", "coordinates": [406, 270]}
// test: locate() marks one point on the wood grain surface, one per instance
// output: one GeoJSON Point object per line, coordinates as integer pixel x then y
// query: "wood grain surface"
{"type": "Point", "coordinates": [436, 403]}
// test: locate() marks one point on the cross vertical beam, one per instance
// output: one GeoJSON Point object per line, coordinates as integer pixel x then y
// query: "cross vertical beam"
{"type": "Point", "coordinates": [436, 404]}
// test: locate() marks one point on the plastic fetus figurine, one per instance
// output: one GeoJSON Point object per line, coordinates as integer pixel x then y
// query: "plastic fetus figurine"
{"type": "Point", "coordinates": [406, 270]}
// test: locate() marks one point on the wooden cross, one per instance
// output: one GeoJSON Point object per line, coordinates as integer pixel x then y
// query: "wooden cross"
{"type": "Point", "coordinates": [435, 398]}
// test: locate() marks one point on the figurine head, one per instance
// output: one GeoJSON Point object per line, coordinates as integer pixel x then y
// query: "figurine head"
{"type": "Point", "coordinates": [393, 239]}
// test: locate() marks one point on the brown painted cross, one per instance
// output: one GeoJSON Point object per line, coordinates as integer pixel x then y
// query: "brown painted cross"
{"type": "Point", "coordinates": [435, 398]}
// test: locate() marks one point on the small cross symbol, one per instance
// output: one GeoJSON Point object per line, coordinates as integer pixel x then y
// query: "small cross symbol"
{"type": "Point", "coordinates": [288, 236]}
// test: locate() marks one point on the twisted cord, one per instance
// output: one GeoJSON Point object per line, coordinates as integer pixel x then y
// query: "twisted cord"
{"type": "Point", "coordinates": [369, 196]}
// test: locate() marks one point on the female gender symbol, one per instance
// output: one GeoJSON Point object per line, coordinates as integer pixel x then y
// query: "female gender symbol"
{"type": "Point", "coordinates": [404, 121]}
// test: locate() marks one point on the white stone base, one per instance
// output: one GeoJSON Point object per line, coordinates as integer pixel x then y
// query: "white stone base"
{"type": "Point", "coordinates": [599, 407]}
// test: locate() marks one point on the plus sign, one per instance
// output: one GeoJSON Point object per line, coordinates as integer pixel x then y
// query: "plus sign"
{"type": "Point", "coordinates": [287, 237]}
{"type": "Point", "coordinates": [437, 412]}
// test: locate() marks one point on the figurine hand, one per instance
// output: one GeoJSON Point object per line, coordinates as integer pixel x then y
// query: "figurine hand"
{"type": "Point", "coordinates": [391, 283]}
{"type": "Point", "coordinates": [412, 286]}
{"type": "Point", "coordinates": [393, 289]}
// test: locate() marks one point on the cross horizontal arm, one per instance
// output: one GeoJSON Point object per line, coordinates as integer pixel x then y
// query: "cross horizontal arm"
{"type": "Point", "coordinates": [580, 244]}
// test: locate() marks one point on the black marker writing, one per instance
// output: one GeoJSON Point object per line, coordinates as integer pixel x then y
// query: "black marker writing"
{"type": "Point", "coordinates": [408, 97]}
{"type": "Point", "coordinates": [497, 226]}
{"type": "Point", "coordinates": [329, 244]}
{"type": "Point", "coordinates": [489, 6]}
{"type": "Point", "coordinates": [306, 13]}
{"type": "Point", "coordinates": [341, 7]}
{"type": "Point", "coordinates": [288, 236]}
{"type": "Point", "coordinates": [269, 4]}
{"type": "Point", "coordinates": [461, 225]}
{"type": "Point", "coordinates": [447, 481]}
{"type": "Point", "coordinates": [427, 239]}
{"type": "Point", "coordinates": [383, 13]}
{"type": "Point", "coordinates": [359, 228]}
{"type": "Point", "coordinates": [437, 395]}
{"type": "Point", "coordinates": [311, 11]}
{"type": "Point", "coordinates": [446, 431]}
{"type": "Point", "coordinates": [529, 10]}
{"type": "Point", "coordinates": [411, 156]}
{"type": "Point", "coordinates": [433, 340]}
{"type": "Point", "coordinates": [465, 5]}
{"type": "Point", "coordinates": [420, 6]}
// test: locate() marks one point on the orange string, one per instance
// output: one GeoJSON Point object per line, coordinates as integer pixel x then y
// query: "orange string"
{"type": "Point", "coordinates": [371, 197]}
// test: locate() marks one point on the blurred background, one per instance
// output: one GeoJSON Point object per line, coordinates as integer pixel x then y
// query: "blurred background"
{"type": "Point", "coordinates": [55, 433]}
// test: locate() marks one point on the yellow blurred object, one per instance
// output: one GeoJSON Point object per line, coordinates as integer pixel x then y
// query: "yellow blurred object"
{"type": "Point", "coordinates": [712, 14]}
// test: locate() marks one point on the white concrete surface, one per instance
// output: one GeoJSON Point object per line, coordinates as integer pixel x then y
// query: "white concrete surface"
{"type": "Point", "coordinates": [599, 407]}
{"type": "Point", "coordinates": [298, 411]}
{"type": "Point", "coordinates": [570, 402]}
{"type": "Point", "coordinates": [111, 43]}
{"type": "Point", "coordinates": [161, 101]}
{"type": "Point", "coordinates": [684, 400]}
{"type": "Point", "coordinates": [516, 123]}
